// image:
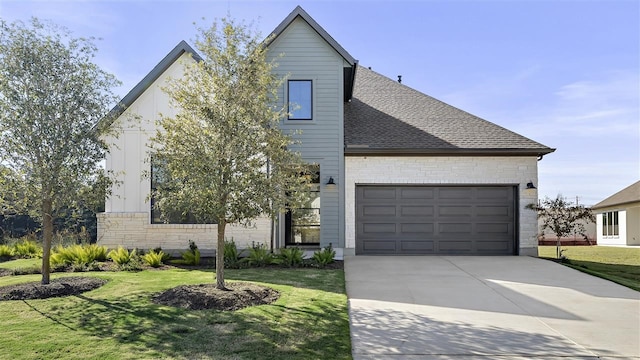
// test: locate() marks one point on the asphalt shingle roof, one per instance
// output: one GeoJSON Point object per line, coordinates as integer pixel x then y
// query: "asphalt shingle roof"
{"type": "Point", "coordinates": [627, 195]}
{"type": "Point", "coordinates": [384, 115]}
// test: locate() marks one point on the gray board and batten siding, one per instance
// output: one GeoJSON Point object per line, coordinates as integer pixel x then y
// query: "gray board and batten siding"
{"type": "Point", "coordinates": [305, 51]}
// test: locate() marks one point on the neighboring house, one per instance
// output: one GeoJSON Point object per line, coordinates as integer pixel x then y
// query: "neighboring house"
{"type": "Point", "coordinates": [398, 172]}
{"type": "Point", "coordinates": [618, 217]}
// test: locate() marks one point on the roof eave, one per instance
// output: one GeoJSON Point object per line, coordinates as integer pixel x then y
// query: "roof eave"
{"type": "Point", "coordinates": [351, 151]}
{"type": "Point", "coordinates": [144, 84]}
{"type": "Point", "coordinates": [619, 204]}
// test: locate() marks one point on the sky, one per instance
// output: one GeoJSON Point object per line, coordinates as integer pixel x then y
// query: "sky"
{"type": "Point", "coordinates": [565, 73]}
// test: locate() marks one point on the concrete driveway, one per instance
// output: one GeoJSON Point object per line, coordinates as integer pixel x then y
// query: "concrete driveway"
{"type": "Point", "coordinates": [445, 307]}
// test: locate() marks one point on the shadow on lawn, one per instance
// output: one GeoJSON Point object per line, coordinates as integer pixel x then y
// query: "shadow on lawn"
{"type": "Point", "coordinates": [314, 330]}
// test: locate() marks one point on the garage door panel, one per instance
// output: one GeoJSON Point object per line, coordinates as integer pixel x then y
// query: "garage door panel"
{"type": "Point", "coordinates": [455, 228]}
{"type": "Point", "coordinates": [414, 210]}
{"type": "Point", "coordinates": [493, 211]}
{"type": "Point", "coordinates": [379, 193]}
{"type": "Point", "coordinates": [495, 228]}
{"type": "Point", "coordinates": [417, 245]}
{"type": "Point", "coordinates": [385, 246]}
{"type": "Point", "coordinates": [371, 210]}
{"type": "Point", "coordinates": [378, 228]}
{"type": "Point", "coordinates": [491, 245]}
{"type": "Point", "coordinates": [494, 193]}
{"type": "Point", "coordinates": [455, 210]}
{"type": "Point", "coordinates": [422, 219]}
{"type": "Point", "coordinates": [416, 228]}
{"type": "Point", "coordinates": [416, 193]}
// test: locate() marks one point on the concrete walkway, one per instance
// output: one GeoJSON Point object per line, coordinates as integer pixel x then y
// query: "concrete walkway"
{"type": "Point", "coordinates": [440, 307]}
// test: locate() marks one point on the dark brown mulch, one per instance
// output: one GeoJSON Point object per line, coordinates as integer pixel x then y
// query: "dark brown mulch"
{"type": "Point", "coordinates": [206, 296]}
{"type": "Point", "coordinates": [5, 272]}
{"type": "Point", "coordinates": [56, 288]}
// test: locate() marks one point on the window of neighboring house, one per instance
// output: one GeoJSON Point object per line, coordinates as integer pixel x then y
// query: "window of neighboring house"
{"type": "Point", "coordinates": [302, 226]}
{"type": "Point", "coordinates": [300, 99]}
{"type": "Point", "coordinates": [610, 223]}
{"type": "Point", "coordinates": [159, 181]}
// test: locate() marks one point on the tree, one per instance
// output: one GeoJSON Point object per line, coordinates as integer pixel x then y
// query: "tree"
{"type": "Point", "coordinates": [562, 217]}
{"type": "Point", "coordinates": [223, 158]}
{"type": "Point", "coordinates": [51, 96]}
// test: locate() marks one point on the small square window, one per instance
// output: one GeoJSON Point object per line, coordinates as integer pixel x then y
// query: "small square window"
{"type": "Point", "coordinates": [300, 99]}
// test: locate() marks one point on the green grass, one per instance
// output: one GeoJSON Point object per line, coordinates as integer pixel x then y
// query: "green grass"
{"type": "Point", "coordinates": [118, 320]}
{"type": "Point", "coordinates": [20, 263]}
{"type": "Point", "coordinates": [618, 264]}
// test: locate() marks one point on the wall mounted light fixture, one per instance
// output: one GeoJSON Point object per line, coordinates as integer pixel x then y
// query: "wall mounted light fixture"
{"type": "Point", "coordinates": [530, 185]}
{"type": "Point", "coordinates": [331, 183]}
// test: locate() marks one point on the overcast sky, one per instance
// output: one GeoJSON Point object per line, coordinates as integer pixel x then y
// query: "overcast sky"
{"type": "Point", "coordinates": [564, 73]}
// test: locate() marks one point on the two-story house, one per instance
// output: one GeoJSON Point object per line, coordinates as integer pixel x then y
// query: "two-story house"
{"type": "Point", "coordinates": [398, 172]}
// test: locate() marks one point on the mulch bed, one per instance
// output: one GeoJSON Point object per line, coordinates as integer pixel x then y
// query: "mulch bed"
{"type": "Point", "coordinates": [5, 272]}
{"type": "Point", "coordinates": [206, 296]}
{"type": "Point", "coordinates": [56, 288]}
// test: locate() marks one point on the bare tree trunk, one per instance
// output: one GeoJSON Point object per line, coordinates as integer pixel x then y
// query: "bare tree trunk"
{"type": "Point", "coordinates": [47, 235]}
{"type": "Point", "coordinates": [220, 256]}
{"type": "Point", "coordinates": [558, 248]}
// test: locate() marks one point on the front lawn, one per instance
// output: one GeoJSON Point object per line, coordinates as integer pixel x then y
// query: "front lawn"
{"type": "Point", "coordinates": [618, 264]}
{"type": "Point", "coordinates": [119, 321]}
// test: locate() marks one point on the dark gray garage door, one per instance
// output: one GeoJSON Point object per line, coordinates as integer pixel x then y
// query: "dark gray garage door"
{"type": "Point", "coordinates": [459, 220]}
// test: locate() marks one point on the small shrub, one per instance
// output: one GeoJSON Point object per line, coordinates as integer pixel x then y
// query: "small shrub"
{"type": "Point", "coordinates": [324, 257]}
{"type": "Point", "coordinates": [6, 252]}
{"type": "Point", "coordinates": [153, 258]}
{"type": "Point", "coordinates": [190, 257]}
{"type": "Point", "coordinates": [231, 255]}
{"type": "Point", "coordinates": [165, 257]}
{"type": "Point", "coordinates": [79, 257]}
{"type": "Point", "coordinates": [96, 252]}
{"type": "Point", "coordinates": [27, 249]}
{"type": "Point", "coordinates": [291, 257]}
{"type": "Point", "coordinates": [259, 255]}
{"type": "Point", "coordinates": [121, 256]}
{"type": "Point", "coordinates": [59, 257]}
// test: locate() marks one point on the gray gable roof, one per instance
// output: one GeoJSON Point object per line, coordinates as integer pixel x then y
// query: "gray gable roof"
{"type": "Point", "coordinates": [144, 84]}
{"type": "Point", "coordinates": [630, 194]}
{"type": "Point", "coordinates": [349, 72]}
{"type": "Point", "coordinates": [386, 117]}
{"type": "Point", "coordinates": [299, 12]}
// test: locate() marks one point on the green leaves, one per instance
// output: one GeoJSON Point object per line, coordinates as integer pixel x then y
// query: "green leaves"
{"type": "Point", "coordinates": [562, 217]}
{"type": "Point", "coordinates": [227, 159]}
{"type": "Point", "coordinates": [51, 96]}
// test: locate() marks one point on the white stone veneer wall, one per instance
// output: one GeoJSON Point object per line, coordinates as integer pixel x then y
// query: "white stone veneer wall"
{"type": "Point", "coordinates": [133, 230]}
{"type": "Point", "coordinates": [437, 170]}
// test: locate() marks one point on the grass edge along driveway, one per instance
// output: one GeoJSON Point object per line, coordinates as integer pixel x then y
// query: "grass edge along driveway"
{"type": "Point", "coordinates": [119, 321]}
{"type": "Point", "coordinates": [618, 264]}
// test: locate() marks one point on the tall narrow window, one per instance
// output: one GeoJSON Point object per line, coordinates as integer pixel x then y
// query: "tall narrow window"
{"type": "Point", "coordinates": [610, 223]}
{"type": "Point", "coordinates": [300, 99]}
{"type": "Point", "coordinates": [302, 226]}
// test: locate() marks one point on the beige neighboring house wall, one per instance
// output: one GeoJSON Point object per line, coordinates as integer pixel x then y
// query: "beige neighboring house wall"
{"type": "Point", "coordinates": [436, 170]}
{"type": "Point", "coordinates": [127, 218]}
{"type": "Point", "coordinates": [626, 203]}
